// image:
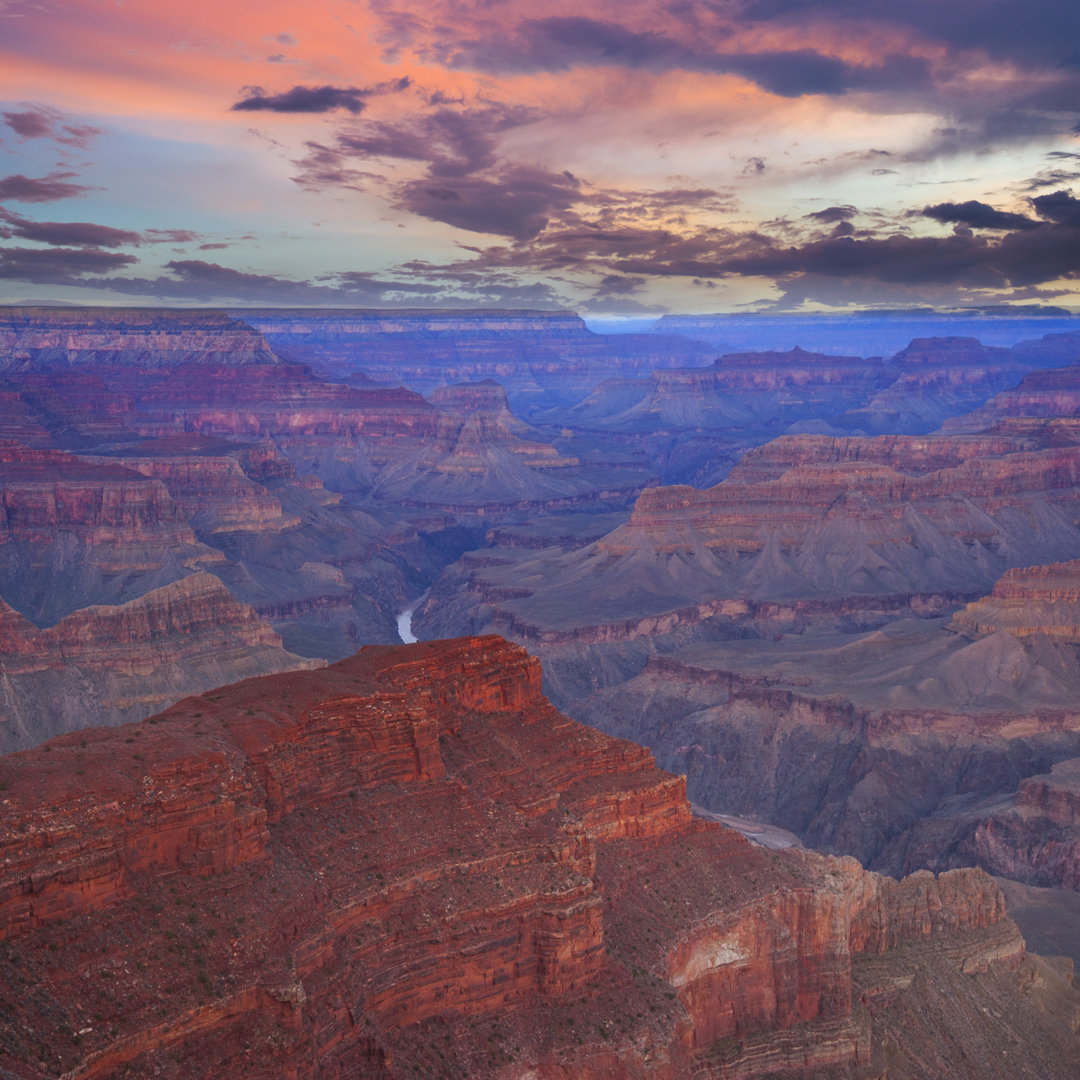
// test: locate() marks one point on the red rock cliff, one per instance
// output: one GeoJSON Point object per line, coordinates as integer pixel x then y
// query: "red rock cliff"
{"type": "Point", "coordinates": [410, 864]}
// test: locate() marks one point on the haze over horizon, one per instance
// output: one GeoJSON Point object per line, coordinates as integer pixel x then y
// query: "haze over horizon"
{"type": "Point", "coordinates": [788, 155]}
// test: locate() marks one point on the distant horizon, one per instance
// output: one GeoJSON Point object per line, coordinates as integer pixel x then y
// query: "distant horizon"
{"type": "Point", "coordinates": [989, 311]}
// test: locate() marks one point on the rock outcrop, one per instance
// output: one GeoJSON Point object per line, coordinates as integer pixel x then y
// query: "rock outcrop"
{"type": "Point", "coordinates": [880, 745]}
{"type": "Point", "coordinates": [410, 864]}
{"type": "Point", "coordinates": [1026, 601]}
{"type": "Point", "coordinates": [110, 664]}
{"type": "Point", "coordinates": [1040, 395]}
{"type": "Point", "coordinates": [1030, 835]}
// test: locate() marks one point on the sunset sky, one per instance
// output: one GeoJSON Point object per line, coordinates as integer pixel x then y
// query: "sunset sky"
{"type": "Point", "coordinates": [630, 157]}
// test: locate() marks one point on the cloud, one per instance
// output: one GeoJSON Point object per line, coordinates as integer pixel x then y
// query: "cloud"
{"type": "Point", "coordinates": [832, 214]}
{"type": "Point", "coordinates": [847, 266]}
{"type": "Point", "coordinates": [43, 121]}
{"type": "Point", "coordinates": [316, 99]}
{"type": "Point", "coordinates": [65, 233]}
{"type": "Point", "coordinates": [51, 188]}
{"type": "Point", "coordinates": [59, 266]}
{"type": "Point", "coordinates": [454, 143]}
{"type": "Point", "coordinates": [1025, 256]}
{"type": "Point", "coordinates": [1061, 207]}
{"type": "Point", "coordinates": [518, 201]}
{"type": "Point", "coordinates": [978, 215]}
{"type": "Point", "coordinates": [561, 43]}
{"type": "Point", "coordinates": [305, 99]}
{"type": "Point", "coordinates": [195, 279]}
{"type": "Point", "coordinates": [1045, 34]}
{"type": "Point", "coordinates": [32, 124]}
{"type": "Point", "coordinates": [326, 167]}
{"type": "Point", "coordinates": [169, 236]}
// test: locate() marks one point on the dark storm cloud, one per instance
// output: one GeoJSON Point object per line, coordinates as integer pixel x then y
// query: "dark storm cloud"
{"type": "Point", "coordinates": [978, 215]}
{"type": "Point", "coordinates": [617, 285]}
{"type": "Point", "coordinates": [65, 233]}
{"type": "Point", "coordinates": [51, 188]}
{"type": "Point", "coordinates": [315, 99]}
{"type": "Point", "coordinates": [1028, 256]}
{"type": "Point", "coordinates": [1042, 32]}
{"type": "Point", "coordinates": [1061, 207]}
{"type": "Point", "coordinates": [558, 44]}
{"type": "Point", "coordinates": [517, 202]}
{"type": "Point", "coordinates": [59, 266]}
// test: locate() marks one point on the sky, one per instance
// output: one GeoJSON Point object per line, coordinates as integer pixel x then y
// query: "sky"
{"type": "Point", "coordinates": [612, 157]}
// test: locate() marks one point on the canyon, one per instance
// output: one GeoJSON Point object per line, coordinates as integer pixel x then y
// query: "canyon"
{"type": "Point", "coordinates": [868, 641]}
{"type": "Point", "coordinates": [835, 593]}
{"type": "Point", "coordinates": [409, 863]}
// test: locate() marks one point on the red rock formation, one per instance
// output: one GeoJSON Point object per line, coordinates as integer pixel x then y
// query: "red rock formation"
{"type": "Point", "coordinates": [195, 614]}
{"type": "Point", "coordinates": [43, 492]}
{"type": "Point", "coordinates": [410, 864]}
{"type": "Point", "coordinates": [212, 489]}
{"type": "Point", "coordinates": [107, 664]}
{"type": "Point", "coordinates": [1027, 601]}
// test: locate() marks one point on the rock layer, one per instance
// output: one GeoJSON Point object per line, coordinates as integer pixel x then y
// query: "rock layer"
{"type": "Point", "coordinates": [803, 525]}
{"type": "Point", "coordinates": [409, 863]}
{"type": "Point", "coordinates": [1029, 600]}
{"type": "Point", "coordinates": [107, 664]}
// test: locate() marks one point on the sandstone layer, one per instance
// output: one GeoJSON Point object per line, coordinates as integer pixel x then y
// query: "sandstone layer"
{"type": "Point", "coordinates": [1026, 601]}
{"type": "Point", "coordinates": [410, 864]}
{"type": "Point", "coordinates": [804, 526]}
{"type": "Point", "coordinates": [108, 664]}
{"type": "Point", "coordinates": [145, 338]}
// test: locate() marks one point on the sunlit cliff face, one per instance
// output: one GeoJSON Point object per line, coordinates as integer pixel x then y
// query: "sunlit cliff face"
{"type": "Point", "coordinates": [615, 157]}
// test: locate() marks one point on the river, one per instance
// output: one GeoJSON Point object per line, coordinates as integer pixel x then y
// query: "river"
{"type": "Point", "coordinates": [404, 621]}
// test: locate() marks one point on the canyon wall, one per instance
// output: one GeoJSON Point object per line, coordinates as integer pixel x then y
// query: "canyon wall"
{"type": "Point", "coordinates": [409, 863]}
